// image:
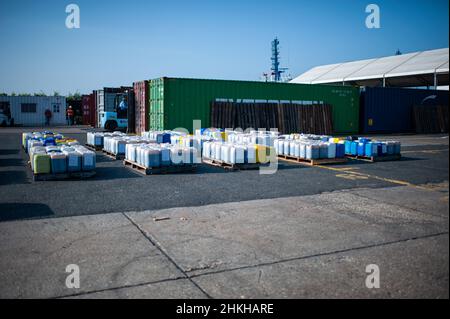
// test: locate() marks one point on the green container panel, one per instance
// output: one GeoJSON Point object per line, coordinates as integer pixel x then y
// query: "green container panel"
{"type": "Point", "coordinates": [176, 102]}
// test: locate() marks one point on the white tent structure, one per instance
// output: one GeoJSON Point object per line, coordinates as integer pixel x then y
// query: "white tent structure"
{"type": "Point", "coordinates": [424, 68]}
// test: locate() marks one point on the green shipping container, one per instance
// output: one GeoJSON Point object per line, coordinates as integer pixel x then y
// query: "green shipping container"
{"type": "Point", "coordinates": [176, 102]}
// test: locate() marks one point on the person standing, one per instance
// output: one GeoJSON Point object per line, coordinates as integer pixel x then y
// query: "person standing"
{"type": "Point", "coordinates": [48, 116]}
{"type": "Point", "coordinates": [70, 115]}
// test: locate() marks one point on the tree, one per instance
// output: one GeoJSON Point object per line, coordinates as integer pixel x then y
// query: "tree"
{"type": "Point", "coordinates": [74, 96]}
{"type": "Point", "coordinates": [56, 93]}
{"type": "Point", "coordinates": [3, 94]}
{"type": "Point", "coordinates": [41, 93]}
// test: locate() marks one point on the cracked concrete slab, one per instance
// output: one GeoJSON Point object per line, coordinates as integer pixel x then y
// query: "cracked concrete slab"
{"type": "Point", "coordinates": [173, 289]}
{"type": "Point", "coordinates": [412, 269]}
{"type": "Point", "coordinates": [110, 251]}
{"type": "Point", "coordinates": [432, 199]}
{"type": "Point", "coordinates": [227, 236]}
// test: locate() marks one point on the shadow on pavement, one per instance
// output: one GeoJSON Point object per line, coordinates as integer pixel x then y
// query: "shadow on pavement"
{"type": "Point", "coordinates": [11, 162]}
{"type": "Point", "coordinates": [111, 173]}
{"type": "Point", "coordinates": [13, 178]}
{"type": "Point", "coordinates": [17, 211]}
{"type": "Point", "coordinates": [9, 152]}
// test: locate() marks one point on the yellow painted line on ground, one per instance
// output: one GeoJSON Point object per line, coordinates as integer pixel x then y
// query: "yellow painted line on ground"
{"type": "Point", "coordinates": [343, 169]}
{"type": "Point", "coordinates": [426, 151]}
{"type": "Point", "coordinates": [352, 176]}
{"type": "Point", "coordinates": [367, 176]}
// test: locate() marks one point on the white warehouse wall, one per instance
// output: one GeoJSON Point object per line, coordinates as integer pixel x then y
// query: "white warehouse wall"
{"type": "Point", "coordinates": [42, 103]}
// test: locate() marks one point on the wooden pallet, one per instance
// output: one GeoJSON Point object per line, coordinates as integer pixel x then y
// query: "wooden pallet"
{"type": "Point", "coordinates": [173, 169]}
{"type": "Point", "coordinates": [374, 159]}
{"type": "Point", "coordinates": [113, 156]}
{"type": "Point", "coordinates": [62, 176]}
{"type": "Point", "coordinates": [313, 162]}
{"type": "Point", "coordinates": [232, 167]}
{"type": "Point", "coordinates": [93, 147]}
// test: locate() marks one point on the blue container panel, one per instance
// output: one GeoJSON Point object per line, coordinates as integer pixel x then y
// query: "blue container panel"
{"type": "Point", "coordinates": [390, 110]}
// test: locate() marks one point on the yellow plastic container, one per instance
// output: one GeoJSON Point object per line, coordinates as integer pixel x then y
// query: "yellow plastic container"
{"type": "Point", "coordinates": [335, 140]}
{"type": "Point", "coordinates": [263, 153]}
{"type": "Point", "coordinates": [42, 164]}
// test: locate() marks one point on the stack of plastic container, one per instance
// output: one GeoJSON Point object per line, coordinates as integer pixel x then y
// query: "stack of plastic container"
{"type": "Point", "coordinates": [254, 137]}
{"type": "Point", "coordinates": [117, 144]}
{"type": "Point", "coordinates": [212, 134]}
{"type": "Point", "coordinates": [41, 139]}
{"type": "Point", "coordinates": [159, 137]}
{"type": "Point", "coordinates": [96, 139]}
{"type": "Point", "coordinates": [233, 153]}
{"type": "Point", "coordinates": [161, 155]}
{"type": "Point", "coordinates": [309, 147]}
{"type": "Point", "coordinates": [53, 154]}
{"type": "Point", "coordinates": [365, 147]}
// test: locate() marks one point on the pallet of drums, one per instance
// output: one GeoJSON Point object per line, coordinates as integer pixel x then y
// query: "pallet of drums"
{"type": "Point", "coordinates": [153, 158]}
{"type": "Point", "coordinates": [310, 149]}
{"type": "Point", "coordinates": [320, 150]}
{"type": "Point", "coordinates": [369, 150]}
{"type": "Point", "coordinates": [234, 150]}
{"type": "Point", "coordinates": [95, 141]}
{"type": "Point", "coordinates": [53, 157]}
{"type": "Point", "coordinates": [235, 156]}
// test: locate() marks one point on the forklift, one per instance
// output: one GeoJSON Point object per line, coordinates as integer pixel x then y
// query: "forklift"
{"type": "Point", "coordinates": [123, 116]}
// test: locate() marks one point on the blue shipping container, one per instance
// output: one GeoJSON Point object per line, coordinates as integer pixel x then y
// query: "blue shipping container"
{"type": "Point", "coordinates": [390, 110]}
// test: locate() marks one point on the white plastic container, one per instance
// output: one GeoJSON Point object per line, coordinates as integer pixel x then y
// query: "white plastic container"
{"type": "Point", "coordinates": [225, 153]}
{"type": "Point", "coordinates": [292, 149]}
{"type": "Point", "coordinates": [251, 154]}
{"type": "Point", "coordinates": [331, 150]}
{"type": "Point", "coordinates": [240, 154]}
{"type": "Point", "coordinates": [206, 149]}
{"type": "Point", "coordinates": [176, 155]}
{"type": "Point", "coordinates": [297, 149]}
{"type": "Point", "coordinates": [217, 151]}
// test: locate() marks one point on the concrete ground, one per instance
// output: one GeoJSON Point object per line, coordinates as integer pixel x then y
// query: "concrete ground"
{"type": "Point", "coordinates": [304, 232]}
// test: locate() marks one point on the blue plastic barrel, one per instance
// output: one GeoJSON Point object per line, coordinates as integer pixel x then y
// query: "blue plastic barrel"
{"type": "Point", "coordinates": [58, 163]}
{"type": "Point", "coordinates": [354, 149]}
{"type": "Point", "coordinates": [361, 149]}
{"type": "Point", "coordinates": [163, 138]}
{"type": "Point", "coordinates": [340, 150]}
{"type": "Point", "coordinates": [348, 147]}
{"type": "Point", "coordinates": [165, 157]}
{"type": "Point", "coordinates": [371, 149]}
{"type": "Point", "coordinates": [390, 148]}
{"type": "Point", "coordinates": [323, 151]}
{"type": "Point", "coordinates": [397, 148]}
{"type": "Point", "coordinates": [312, 152]}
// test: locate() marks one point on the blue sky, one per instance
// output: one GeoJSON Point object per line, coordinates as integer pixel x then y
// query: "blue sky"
{"type": "Point", "coordinates": [124, 41]}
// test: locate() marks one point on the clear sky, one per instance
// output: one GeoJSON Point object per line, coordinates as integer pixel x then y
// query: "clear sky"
{"type": "Point", "coordinates": [120, 42]}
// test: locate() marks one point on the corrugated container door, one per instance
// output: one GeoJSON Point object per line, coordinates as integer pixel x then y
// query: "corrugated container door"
{"type": "Point", "coordinates": [390, 110]}
{"type": "Point", "coordinates": [86, 115]}
{"type": "Point", "coordinates": [92, 109]}
{"type": "Point", "coordinates": [141, 90]}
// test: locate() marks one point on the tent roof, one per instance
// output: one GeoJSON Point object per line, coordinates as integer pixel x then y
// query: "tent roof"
{"type": "Point", "coordinates": [406, 70]}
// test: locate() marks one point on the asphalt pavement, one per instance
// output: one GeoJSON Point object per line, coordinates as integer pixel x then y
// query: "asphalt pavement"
{"type": "Point", "coordinates": [304, 232]}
